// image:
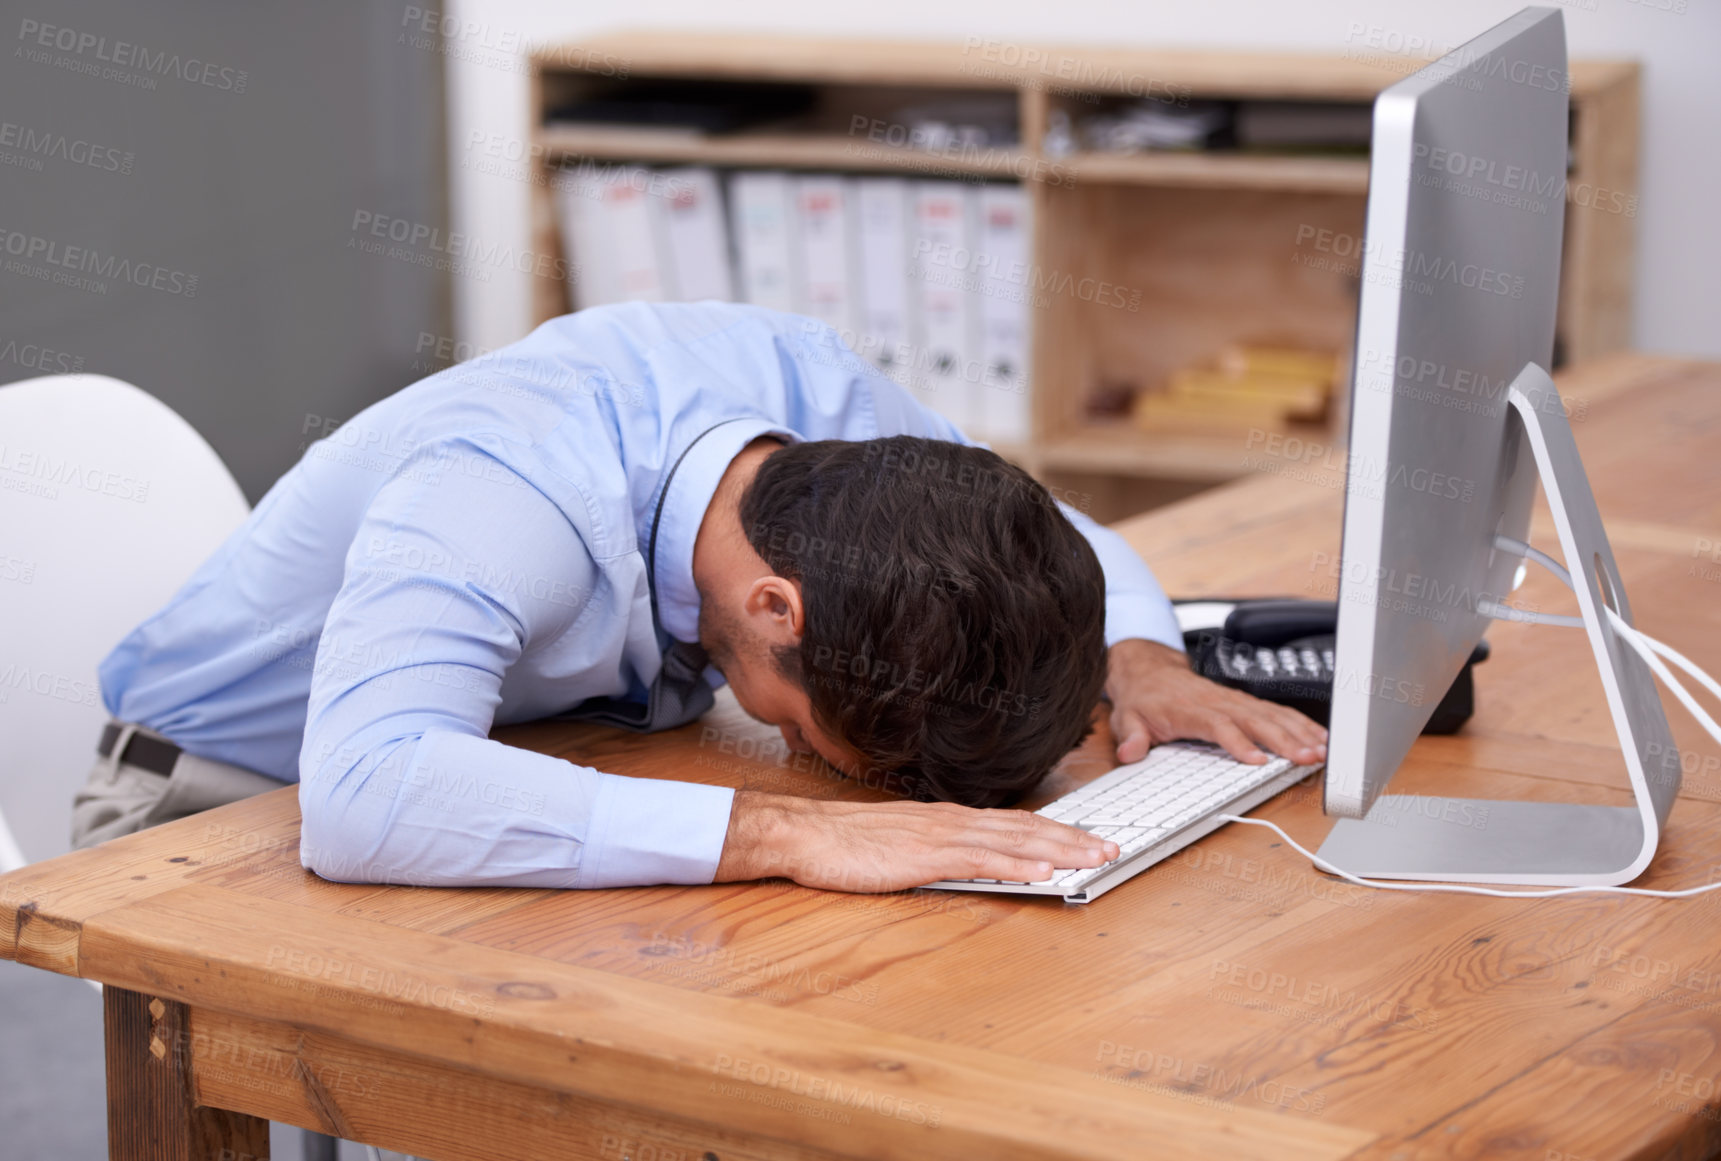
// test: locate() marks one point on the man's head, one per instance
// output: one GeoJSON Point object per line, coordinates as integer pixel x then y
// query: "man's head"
{"type": "Point", "coordinates": [940, 616]}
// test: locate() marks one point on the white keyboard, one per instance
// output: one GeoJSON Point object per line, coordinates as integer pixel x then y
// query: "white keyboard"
{"type": "Point", "coordinates": [1150, 809]}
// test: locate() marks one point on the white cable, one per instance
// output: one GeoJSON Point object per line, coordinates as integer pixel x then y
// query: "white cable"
{"type": "Point", "coordinates": [1645, 646]}
{"type": "Point", "coordinates": [1455, 889]}
{"type": "Point", "coordinates": [1500, 611]}
{"type": "Point", "coordinates": [1674, 656]}
{"type": "Point", "coordinates": [1642, 643]}
{"type": "Point", "coordinates": [1519, 548]}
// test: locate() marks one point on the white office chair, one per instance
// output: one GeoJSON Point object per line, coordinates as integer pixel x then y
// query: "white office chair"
{"type": "Point", "coordinates": [108, 502]}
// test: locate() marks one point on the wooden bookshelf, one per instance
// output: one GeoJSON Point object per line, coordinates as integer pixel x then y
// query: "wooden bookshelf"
{"type": "Point", "coordinates": [1207, 243]}
{"type": "Point", "coordinates": [810, 151]}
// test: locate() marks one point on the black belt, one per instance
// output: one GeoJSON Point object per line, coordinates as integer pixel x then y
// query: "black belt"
{"type": "Point", "coordinates": [143, 750]}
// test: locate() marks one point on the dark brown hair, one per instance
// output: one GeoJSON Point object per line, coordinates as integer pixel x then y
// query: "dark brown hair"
{"type": "Point", "coordinates": [955, 618]}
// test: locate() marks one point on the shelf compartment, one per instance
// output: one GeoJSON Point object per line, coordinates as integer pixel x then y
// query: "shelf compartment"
{"type": "Point", "coordinates": [1198, 271]}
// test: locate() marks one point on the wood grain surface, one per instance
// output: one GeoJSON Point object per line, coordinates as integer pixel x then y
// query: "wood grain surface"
{"type": "Point", "coordinates": [1231, 1002]}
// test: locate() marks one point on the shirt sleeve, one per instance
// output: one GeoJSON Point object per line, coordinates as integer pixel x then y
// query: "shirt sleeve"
{"type": "Point", "coordinates": [399, 781]}
{"type": "Point", "coordinates": [1136, 605]}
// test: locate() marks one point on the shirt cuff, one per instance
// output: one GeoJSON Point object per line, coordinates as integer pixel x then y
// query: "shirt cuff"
{"type": "Point", "coordinates": [1150, 620]}
{"type": "Point", "coordinates": [647, 830]}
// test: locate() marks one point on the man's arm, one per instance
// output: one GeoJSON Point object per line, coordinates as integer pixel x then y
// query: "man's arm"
{"type": "Point", "coordinates": [1137, 608]}
{"type": "Point", "coordinates": [891, 846]}
{"type": "Point", "coordinates": [399, 782]}
{"type": "Point", "coordinates": [448, 580]}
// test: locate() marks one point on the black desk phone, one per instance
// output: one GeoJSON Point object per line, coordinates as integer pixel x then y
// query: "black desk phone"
{"type": "Point", "coordinates": [1281, 650]}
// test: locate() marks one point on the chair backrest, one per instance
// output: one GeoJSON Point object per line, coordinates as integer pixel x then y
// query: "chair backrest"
{"type": "Point", "coordinates": [108, 503]}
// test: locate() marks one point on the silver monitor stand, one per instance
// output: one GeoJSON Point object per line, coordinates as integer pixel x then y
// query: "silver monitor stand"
{"type": "Point", "coordinates": [1548, 843]}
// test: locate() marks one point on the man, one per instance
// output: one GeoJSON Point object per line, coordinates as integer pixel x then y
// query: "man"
{"type": "Point", "coordinates": [578, 524]}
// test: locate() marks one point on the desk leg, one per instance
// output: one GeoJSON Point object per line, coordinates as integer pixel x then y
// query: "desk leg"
{"type": "Point", "coordinates": [152, 1113]}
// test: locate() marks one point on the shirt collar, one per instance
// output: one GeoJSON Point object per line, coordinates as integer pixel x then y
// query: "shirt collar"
{"type": "Point", "coordinates": [690, 491]}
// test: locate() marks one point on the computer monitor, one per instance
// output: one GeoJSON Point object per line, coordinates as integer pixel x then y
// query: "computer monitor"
{"type": "Point", "coordinates": [1452, 422]}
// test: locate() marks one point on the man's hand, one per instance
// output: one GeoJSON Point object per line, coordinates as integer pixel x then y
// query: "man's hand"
{"type": "Point", "coordinates": [1156, 697]}
{"type": "Point", "coordinates": [889, 846]}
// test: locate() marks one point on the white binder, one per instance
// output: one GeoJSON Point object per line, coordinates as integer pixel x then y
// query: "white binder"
{"type": "Point", "coordinates": [627, 205]}
{"type": "Point", "coordinates": [881, 212]}
{"type": "Point", "coordinates": [944, 366]}
{"type": "Point", "coordinates": [762, 217]}
{"type": "Point", "coordinates": [693, 233]}
{"type": "Point", "coordinates": [608, 235]}
{"type": "Point", "coordinates": [822, 284]}
{"type": "Point", "coordinates": [1005, 294]}
{"type": "Point", "coordinates": [585, 241]}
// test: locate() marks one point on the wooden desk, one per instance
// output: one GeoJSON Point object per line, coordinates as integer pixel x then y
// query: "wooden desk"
{"type": "Point", "coordinates": [1229, 1003]}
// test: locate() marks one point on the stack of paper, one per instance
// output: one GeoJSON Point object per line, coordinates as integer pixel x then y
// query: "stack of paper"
{"type": "Point", "coordinates": [1245, 387]}
{"type": "Point", "coordinates": [1152, 124]}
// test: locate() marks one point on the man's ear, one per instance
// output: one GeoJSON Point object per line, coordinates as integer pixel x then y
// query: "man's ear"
{"type": "Point", "coordinates": [773, 607]}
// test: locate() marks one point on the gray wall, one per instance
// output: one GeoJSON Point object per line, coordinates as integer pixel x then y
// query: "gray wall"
{"type": "Point", "coordinates": [219, 154]}
{"type": "Point", "coordinates": [254, 193]}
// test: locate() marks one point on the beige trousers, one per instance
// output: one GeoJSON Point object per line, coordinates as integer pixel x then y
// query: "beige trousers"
{"type": "Point", "coordinates": [120, 798]}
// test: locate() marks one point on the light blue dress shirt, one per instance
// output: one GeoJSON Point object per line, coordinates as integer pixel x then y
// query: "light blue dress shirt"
{"type": "Point", "coordinates": [469, 552]}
